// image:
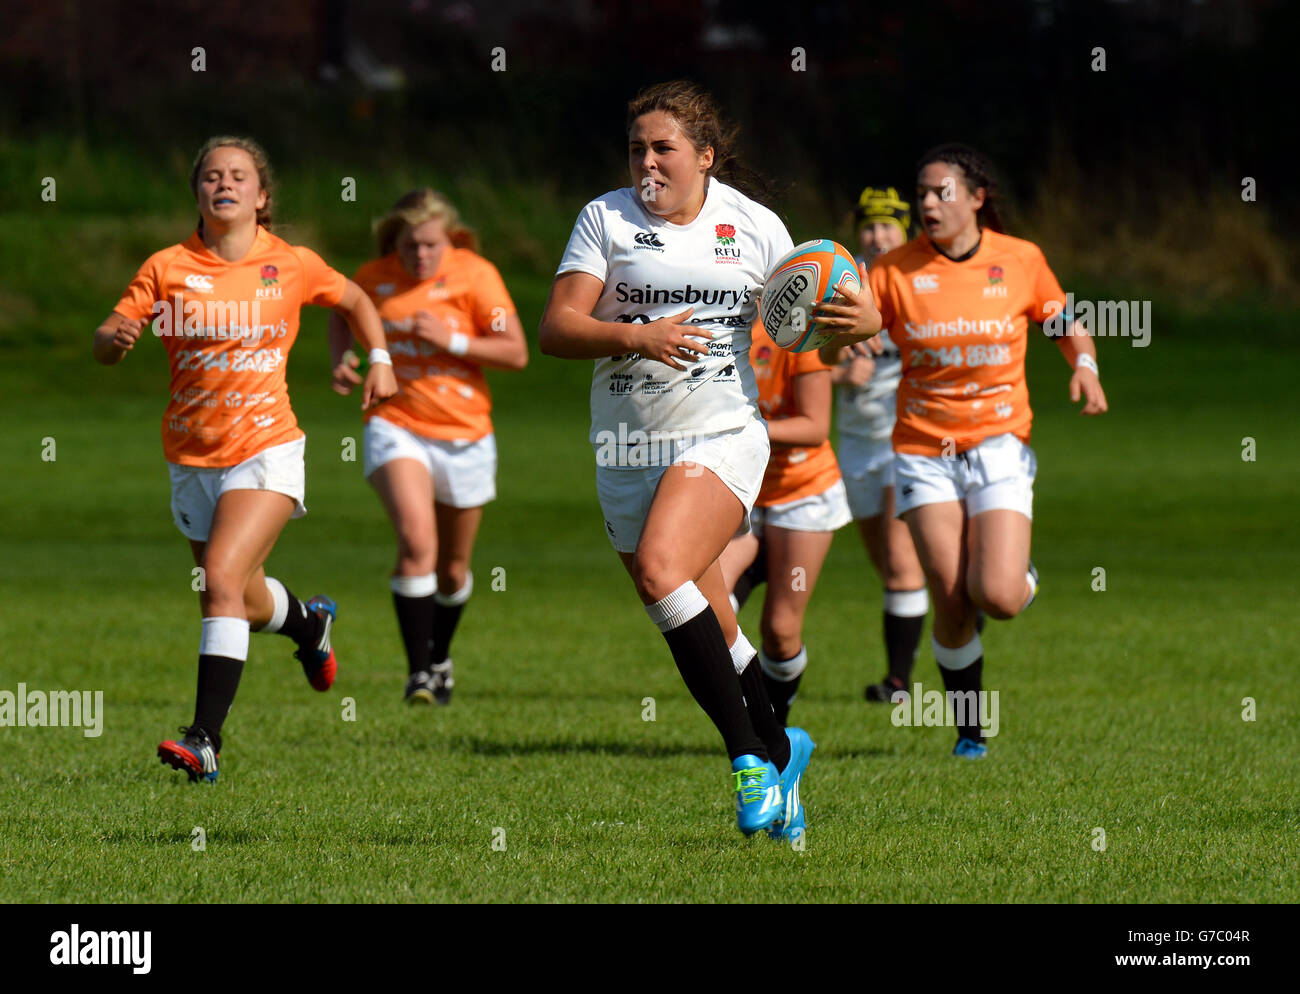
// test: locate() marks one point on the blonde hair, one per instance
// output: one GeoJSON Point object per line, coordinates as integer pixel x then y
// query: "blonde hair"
{"type": "Point", "coordinates": [260, 162]}
{"type": "Point", "coordinates": [412, 210]}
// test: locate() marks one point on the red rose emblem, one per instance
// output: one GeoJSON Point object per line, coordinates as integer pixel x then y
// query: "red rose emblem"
{"type": "Point", "coordinates": [270, 273]}
{"type": "Point", "coordinates": [725, 231]}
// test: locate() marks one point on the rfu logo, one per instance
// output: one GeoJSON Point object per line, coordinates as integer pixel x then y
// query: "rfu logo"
{"type": "Point", "coordinates": [199, 282]}
{"type": "Point", "coordinates": [648, 239]}
{"type": "Point", "coordinates": [925, 283]}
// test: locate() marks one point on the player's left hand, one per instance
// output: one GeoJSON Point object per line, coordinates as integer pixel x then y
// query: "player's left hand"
{"type": "Point", "coordinates": [1086, 384]}
{"type": "Point", "coordinates": [850, 313]}
{"type": "Point", "coordinates": [380, 385]}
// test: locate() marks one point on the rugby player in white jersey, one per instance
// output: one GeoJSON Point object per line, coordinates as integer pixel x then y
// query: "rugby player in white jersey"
{"type": "Point", "coordinates": [659, 285]}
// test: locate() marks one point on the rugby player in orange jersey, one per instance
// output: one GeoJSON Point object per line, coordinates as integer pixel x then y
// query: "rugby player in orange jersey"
{"type": "Point", "coordinates": [800, 505]}
{"type": "Point", "coordinates": [430, 452]}
{"type": "Point", "coordinates": [957, 301]}
{"type": "Point", "coordinates": [225, 304]}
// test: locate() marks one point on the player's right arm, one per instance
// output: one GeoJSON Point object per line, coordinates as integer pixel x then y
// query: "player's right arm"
{"type": "Point", "coordinates": [115, 338]}
{"type": "Point", "coordinates": [568, 331]}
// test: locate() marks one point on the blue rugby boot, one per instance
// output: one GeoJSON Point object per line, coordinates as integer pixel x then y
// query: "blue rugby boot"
{"type": "Point", "coordinates": [759, 801]}
{"type": "Point", "coordinates": [791, 824]}
{"type": "Point", "coordinates": [970, 749]}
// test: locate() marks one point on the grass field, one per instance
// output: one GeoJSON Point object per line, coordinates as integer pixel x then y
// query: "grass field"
{"type": "Point", "coordinates": [1120, 709]}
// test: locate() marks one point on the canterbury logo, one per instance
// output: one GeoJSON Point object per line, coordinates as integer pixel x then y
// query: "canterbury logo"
{"type": "Point", "coordinates": [648, 238]}
{"type": "Point", "coordinates": [197, 281]}
{"type": "Point", "coordinates": [925, 283]}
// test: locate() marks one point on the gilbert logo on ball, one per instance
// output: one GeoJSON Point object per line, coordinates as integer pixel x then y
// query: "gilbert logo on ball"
{"type": "Point", "coordinates": [811, 273]}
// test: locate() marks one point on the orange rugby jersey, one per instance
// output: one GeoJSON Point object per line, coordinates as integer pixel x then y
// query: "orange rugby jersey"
{"type": "Point", "coordinates": [962, 329]}
{"type": "Point", "coordinates": [227, 328]}
{"type": "Point", "coordinates": [440, 395]}
{"type": "Point", "coordinates": [792, 473]}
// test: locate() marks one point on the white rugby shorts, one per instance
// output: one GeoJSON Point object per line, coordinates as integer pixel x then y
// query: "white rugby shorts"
{"type": "Point", "coordinates": [997, 474]}
{"type": "Point", "coordinates": [868, 467]}
{"type": "Point", "coordinates": [196, 489]}
{"type": "Point", "coordinates": [739, 458]}
{"type": "Point", "coordinates": [827, 511]}
{"type": "Point", "coordinates": [464, 472]}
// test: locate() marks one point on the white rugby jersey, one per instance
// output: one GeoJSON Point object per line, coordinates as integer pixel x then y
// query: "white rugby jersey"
{"type": "Point", "coordinates": [869, 411]}
{"type": "Point", "coordinates": [653, 269]}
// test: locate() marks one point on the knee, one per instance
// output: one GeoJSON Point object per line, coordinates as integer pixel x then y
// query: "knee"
{"type": "Point", "coordinates": [414, 553]}
{"type": "Point", "coordinates": [1000, 598]}
{"type": "Point", "coordinates": [653, 574]}
{"type": "Point", "coordinates": [220, 582]}
{"type": "Point", "coordinates": [452, 575]}
{"type": "Point", "coordinates": [782, 632]}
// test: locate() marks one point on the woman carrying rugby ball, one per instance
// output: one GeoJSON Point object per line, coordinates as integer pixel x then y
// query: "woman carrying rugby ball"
{"type": "Point", "coordinates": [957, 301]}
{"type": "Point", "coordinates": [226, 303]}
{"type": "Point", "coordinates": [658, 285]}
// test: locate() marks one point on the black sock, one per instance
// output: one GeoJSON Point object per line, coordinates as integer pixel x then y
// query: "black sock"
{"type": "Point", "coordinates": [761, 714]}
{"type": "Point", "coordinates": [415, 621]}
{"type": "Point", "coordinates": [960, 681]}
{"type": "Point", "coordinates": [218, 681]}
{"type": "Point", "coordinates": [704, 662]}
{"type": "Point", "coordinates": [902, 636]}
{"type": "Point", "coordinates": [303, 626]}
{"type": "Point", "coordinates": [751, 578]}
{"type": "Point", "coordinates": [445, 619]}
{"type": "Point", "coordinates": [781, 694]}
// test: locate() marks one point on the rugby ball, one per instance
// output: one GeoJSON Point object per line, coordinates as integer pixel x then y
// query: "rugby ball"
{"type": "Point", "coordinates": [809, 274]}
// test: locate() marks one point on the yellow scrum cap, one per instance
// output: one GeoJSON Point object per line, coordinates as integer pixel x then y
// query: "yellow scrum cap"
{"type": "Point", "coordinates": [882, 206]}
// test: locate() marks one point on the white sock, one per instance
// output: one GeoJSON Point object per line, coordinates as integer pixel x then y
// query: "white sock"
{"type": "Point", "coordinates": [225, 637]}
{"type": "Point", "coordinates": [459, 597]}
{"type": "Point", "coordinates": [677, 608]}
{"type": "Point", "coordinates": [280, 605]}
{"type": "Point", "coordinates": [784, 670]}
{"type": "Point", "coordinates": [742, 652]}
{"type": "Point", "coordinates": [412, 586]}
{"type": "Point", "coordinates": [959, 658]}
{"type": "Point", "coordinates": [907, 603]}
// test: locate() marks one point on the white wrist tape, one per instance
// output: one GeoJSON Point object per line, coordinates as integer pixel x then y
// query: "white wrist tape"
{"type": "Point", "coordinates": [1085, 361]}
{"type": "Point", "coordinates": [380, 356]}
{"type": "Point", "coordinates": [459, 343]}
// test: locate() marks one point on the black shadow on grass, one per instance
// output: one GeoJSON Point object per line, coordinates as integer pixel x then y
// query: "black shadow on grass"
{"type": "Point", "coordinates": [611, 747]}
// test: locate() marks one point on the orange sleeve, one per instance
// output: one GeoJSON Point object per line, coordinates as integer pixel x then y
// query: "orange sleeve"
{"type": "Point", "coordinates": [321, 285]}
{"type": "Point", "coordinates": [879, 284]}
{"type": "Point", "coordinates": [1046, 289]}
{"type": "Point", "coordinates": [491, 298]}
{"type": "Point", "coordinates": [145, 288]}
